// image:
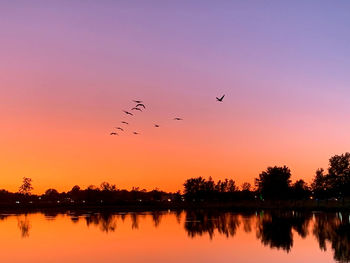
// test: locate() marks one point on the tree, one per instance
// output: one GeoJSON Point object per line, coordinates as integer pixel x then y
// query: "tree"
{"type": "Point", "coordinates": [337, 182]}
{"type": "Point", "coordinates": [231, 186]}
{"type": "Point", "coordinates": [209, 185]}
{"type": "Point", "coordinates": [300, 190]}
{"type": "Point", "coordinates": [75, 189]}
{"type": "Point", "coordinates": [51, 194]}
{"type": "Point", "coordinates": [339, 174]}
{"type": "Point", "coordinates": [202, 189]}
{"type": "Point", "coordinates": [26, 186]}
{"type": "Point", "coordinates": [92, 187]}
{"type": "Point", "coordinates": [246, 186]}
{"type": "Point", "coordinates": [194, 187]}
{"type": "Point", "coordinates": [105, 186]}
{"type": "Point", "coordinates": [274, 183]}
{"type": "Point", "coordinates": [75, 193]}
{"type": "Point", "coordinates": [319, 184]}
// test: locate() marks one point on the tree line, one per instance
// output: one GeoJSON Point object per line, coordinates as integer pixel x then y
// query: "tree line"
{"type": "Point", "coordinates": [274, 183]}
{"type": "Point", "coordinates": [105, 194]}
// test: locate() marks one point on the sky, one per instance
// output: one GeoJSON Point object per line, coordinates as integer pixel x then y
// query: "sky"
{"type": "Point", "coordinates": [69, 68]}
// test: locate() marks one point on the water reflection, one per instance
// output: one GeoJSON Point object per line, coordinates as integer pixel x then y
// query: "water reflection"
{"type": "Point", "coordinates": [334, 228]}
{"type": "Point", "coordinates": [106, 221]}
{"type": "Point", "coordinates": [199, 223]}
{"type": "Point", "coordinates": [156, 217]}
{"type": "Point", "coordinates": [275, 230]}
{"type": "Point", "coordinates": [23, 225]}
{"type": "Point", "coordinates": [50, 215]}
{"type": "Point", "coordinates": [135, 221]}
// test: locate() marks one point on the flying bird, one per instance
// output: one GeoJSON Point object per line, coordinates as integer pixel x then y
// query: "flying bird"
{"type": "Point", "coordinates": [136, 109]}
{"type": "Point", "coordinates": [177, 119]}
{"type": "Point", "coordinates": [113, 133]}
{"type": "Point", "coordinates": [220, 99]}
{"type": "Point", "coordinates": [128, 113]}
{"type": "Point", "coordinates": [136, 133]}
{"type": "Point", "coordinates": [137, 101]}
{"type": "Point", "coordinates": [118, 128]}
{"type": "Point", "coordinates": [156, 125]}
{"type": "Point", "coordinates": [125, 122]}
{"type": "Point", "coordinates": [141, 105]}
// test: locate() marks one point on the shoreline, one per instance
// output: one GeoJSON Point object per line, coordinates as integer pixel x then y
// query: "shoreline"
{"type": "Point", "coordinates": [309, 205]}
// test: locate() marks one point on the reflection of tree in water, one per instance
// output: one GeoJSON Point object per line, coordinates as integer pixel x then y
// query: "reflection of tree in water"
{"type": "Point", "coordinates": [74, 219]}
{"type": "Point", "coordinates": [178, 216]}
{"type": "Point", "coordinates": [50, 215]}
{"type": "Point", "coordinates": [275, 228]}
{"type": "Point", "coordinates": [74, 216]}
{"type": "Point", "coordinates": [134, 221]}
{"type": "Point", "coordinates": [3, 217]}
{"type": "Point", "coordinates": [122, 216]}
{"type": "Point", "coordinates": [300, 223]}
{"type": "Point", "coordinates": [106, 221]}
{"type": "Point", "coordinates": [200, 222]}
{"type": "Point", "coordinates": [247, 223]}
{"type": "Point", "coordinates": [156, 217]}
{"type": "Point", "coordinates": [24, 226]}
{"type": "Point", "coordinates": [334, 228]}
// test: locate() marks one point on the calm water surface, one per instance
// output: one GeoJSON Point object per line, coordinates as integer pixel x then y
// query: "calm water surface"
{"type": "Point", "coordinates": [175, 237]}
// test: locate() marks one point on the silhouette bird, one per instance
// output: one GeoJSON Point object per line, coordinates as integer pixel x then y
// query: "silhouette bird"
{"type": "Point", "coordinates": [118, 128]}
{"type": "Point", "coordinates": [137, 101]}
{"type": "Point", "coordinates": [177, 119]}
{"type": "Point", "coordinates": [113, 133]}
{"type": "Point", "coordinates": [136, 109]}
{"type": "Point", "coordinates": [141, 105]}
{"type": "Point", "coordinates": [125, 122]}
{"type": "Point", "coordinates": [156, 125]}
{"type": "Point", "coordinates": [220, 99]}
{"type": "Point", "coordinates": [128, 113]}
{"type": "Point", "coordinates": [136, 133]}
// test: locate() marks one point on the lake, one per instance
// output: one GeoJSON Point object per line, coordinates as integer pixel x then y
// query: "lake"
{"type": "Point", "coordinates": [193, 236]}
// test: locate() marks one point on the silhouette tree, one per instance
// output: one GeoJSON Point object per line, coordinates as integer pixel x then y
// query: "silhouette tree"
{"type": "Point", "coordinates": [274, 183]}
{"type": "Point", "coordinates": [339, 174]}
{"type": "Point", "coordinates": [194, 187]}
{"type": "Point", "coordinates": [231, 186]}
{"type": "Point", "coordinates": [300, 190]}
{"type": "Point", "coordinates": [200, 189]}
{"type": "Point", "coordinates": [51, 194]}
{"type": "Point", "coordinates": [105, 186]}
{"type": "Point", "coordinates": [75, 189]}
{"type": "Point", "coordinates": [337, 182]}
{"type": "Point", "coordinates": [319, 185]}
{"type": "Point", "coordinates": [246, 186]}
{"type": "Point", "coordinates": [26, 186]}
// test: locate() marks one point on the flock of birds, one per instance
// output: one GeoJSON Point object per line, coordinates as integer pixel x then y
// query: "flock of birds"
{"type": "Point", "coordinates": [139, 107]}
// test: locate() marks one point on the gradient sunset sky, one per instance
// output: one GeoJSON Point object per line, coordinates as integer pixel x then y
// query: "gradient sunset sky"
{"type": "Point", "coordinates": [69, 68]}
